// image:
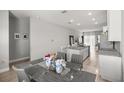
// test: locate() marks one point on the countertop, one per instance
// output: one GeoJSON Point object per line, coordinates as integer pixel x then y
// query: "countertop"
{"type": "Point", "coordinates": [109, 53]}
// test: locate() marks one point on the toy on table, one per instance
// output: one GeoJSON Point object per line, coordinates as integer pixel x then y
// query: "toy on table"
{"type": "Point", "coordinates": [53, 64]}
{"type": "Point", "coordinates": [50, 61]}
{"type": "Point", "coordinates": [60, 65]}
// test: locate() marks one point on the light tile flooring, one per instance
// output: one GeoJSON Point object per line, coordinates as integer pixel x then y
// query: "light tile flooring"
{"type": "Point", "coordinates": [10, 76]}
{"type": "Point", "coordinates": [91, 65]}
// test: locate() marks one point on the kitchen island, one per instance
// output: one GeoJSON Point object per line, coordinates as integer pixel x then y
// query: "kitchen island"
{"type": "Point", "coordinates": [84, 51]}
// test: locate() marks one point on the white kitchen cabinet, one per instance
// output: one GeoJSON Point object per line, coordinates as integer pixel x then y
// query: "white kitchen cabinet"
{"type": "Point", "coordinates": [110, 68]}
{"type": "Point", "coordinates": [114, 25]}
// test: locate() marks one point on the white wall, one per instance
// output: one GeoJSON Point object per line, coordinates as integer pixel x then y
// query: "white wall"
{"type": "Point", "coordinates": [18, 48]}
{"type": "Point", "coordinates": [46, 38]}
{"type": "Point", "coordinates": [122, 43]}
{"type": "Point", "coordinates": [4, 40]}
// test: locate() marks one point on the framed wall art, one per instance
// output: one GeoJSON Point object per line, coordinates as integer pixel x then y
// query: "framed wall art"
{"type": "Point", "coordinates": [17, 36]}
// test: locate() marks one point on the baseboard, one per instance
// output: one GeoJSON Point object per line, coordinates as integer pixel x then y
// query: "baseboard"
{"type": "Point", "coordinates": [19, 59]}
{"type": "Point", "coordinates": [4, 70]}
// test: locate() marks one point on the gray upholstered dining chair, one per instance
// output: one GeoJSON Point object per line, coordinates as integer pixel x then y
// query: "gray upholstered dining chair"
{"type": "Point", "coordinates": [21, 75]}
{"type": "Point", "coordinates": [76, 62]}
{"type": "Point", "coordinates": [61, 55]}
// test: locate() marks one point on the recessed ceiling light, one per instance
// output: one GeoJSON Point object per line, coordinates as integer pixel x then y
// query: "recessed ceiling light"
{"type": "Point", "coordinates": [93, 19]}
{"type": "Point", "coordinates": [72, 20]}
{"type": "Point", "coordinates": [78, 24]}
{"type": "Point", "coordinates": [96, 23]}
{"type": "Point", "coordinates": [89, 13]}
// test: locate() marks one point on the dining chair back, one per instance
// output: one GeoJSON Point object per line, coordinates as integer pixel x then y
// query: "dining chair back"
{"type": "Point", "coordinates": [76, 59]}
{"type": "Point", "coordinates": [21, 75]}
{"type": "Point", "coordinates": [61, 55]}
{"type": "Point", "coordinates": [76, 62]}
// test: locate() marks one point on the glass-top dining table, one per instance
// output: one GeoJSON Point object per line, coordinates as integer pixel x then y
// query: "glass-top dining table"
{"type": "Point", "coordinates": [40, 73]}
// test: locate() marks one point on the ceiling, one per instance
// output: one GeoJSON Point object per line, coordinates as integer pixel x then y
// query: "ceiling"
{"type": "Point", "coordinates": [72, 19]}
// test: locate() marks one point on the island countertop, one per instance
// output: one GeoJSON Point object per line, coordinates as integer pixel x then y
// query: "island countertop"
{"type": "Point", "coordinates": [77, 48]}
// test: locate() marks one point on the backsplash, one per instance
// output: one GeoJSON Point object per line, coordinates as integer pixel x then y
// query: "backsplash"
{"type": "Point", "coordinates": [105, 44]}
{"type": "Point", "coordinates": [117, 46]}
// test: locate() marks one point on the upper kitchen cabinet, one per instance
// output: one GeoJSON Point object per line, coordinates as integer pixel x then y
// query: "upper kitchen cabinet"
{"type": "Point", "coordinates": [114, 25]}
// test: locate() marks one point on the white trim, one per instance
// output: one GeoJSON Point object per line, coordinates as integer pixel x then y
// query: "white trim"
{"type": "Point", "coordinates": [19, 59]}
{"type": "Point", "coordinates": [4, 70]}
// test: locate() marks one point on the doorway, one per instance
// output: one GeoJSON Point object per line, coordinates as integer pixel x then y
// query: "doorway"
{"type": "Point", "coordinates": [71, 40]}
{"type": "Point", "coordinates": [90, 40]}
